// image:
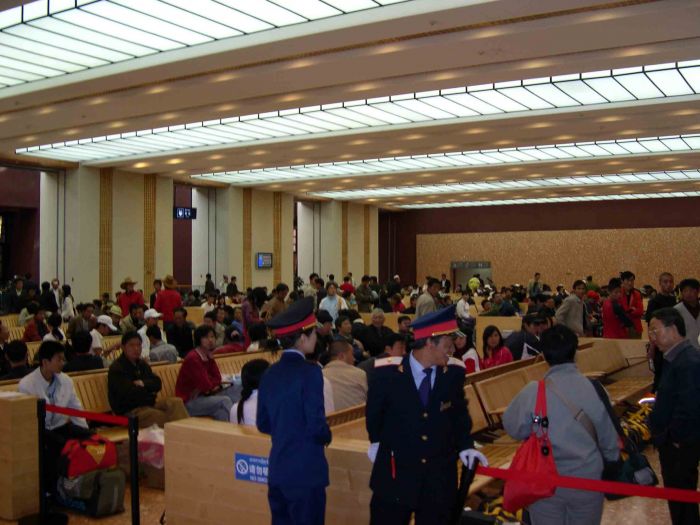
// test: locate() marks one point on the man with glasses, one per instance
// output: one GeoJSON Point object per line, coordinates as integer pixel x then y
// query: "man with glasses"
{"type": "Point", "coordinates": [675, 420]}
{"type": "Point", "coordinates": [665, 298]}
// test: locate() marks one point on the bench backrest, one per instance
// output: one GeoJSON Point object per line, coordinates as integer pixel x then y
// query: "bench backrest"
{"type": "Point", "coordinates": [345, 416]}
{"type": "Point", "coordinates": [9, 320]}
{"type": "Point", "coordinates": [497, 392]}
{"type": "Point", "coordinates": [501, 369]}
{"type": "Point", "coordinates": [16, 333]}
{"type": "Point", "coordinates": [195, 314]}
{"type": "Point", "coordinates": [391, 320]}
{"type": "Point", "coordinates": [476, 412]}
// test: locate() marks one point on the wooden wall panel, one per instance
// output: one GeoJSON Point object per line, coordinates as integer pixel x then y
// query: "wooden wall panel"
{"type": "Point", "coordinates": [247, 238]}
{"type": "Point", "coordinates": [344, 239]}
{"type": "Point", "coordinates": [149, 229]}
{"type": "Point", "coordinates": [106, 188]}
{"type": "Point", "coordinates": [564, 256]}
{"type": "Point", "coordinates": [277, 237]}
{"type": "Point", "coordinates": [367, 239]}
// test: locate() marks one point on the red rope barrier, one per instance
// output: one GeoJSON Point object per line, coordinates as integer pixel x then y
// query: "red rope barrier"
{"type": "Point", "coordinates": [121, 421]}
{"type": "Point", "coordinates": [594, 485]}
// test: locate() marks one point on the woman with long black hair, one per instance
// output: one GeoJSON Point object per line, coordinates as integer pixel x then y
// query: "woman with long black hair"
{"type": "Point", "coordinates": [245, 410]}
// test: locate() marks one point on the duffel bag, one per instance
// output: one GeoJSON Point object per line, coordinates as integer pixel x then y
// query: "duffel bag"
{"type": "Point", "coordinates": [80, 456]}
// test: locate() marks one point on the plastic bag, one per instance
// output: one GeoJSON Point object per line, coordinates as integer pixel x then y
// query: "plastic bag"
{"type": "Point", "coordinates": [151, 446]}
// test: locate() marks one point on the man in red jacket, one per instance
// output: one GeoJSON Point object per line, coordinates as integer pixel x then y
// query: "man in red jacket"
{"type": "Point", "coordinates": [129, 296]}
{"type": "Point", "coordinates": [199, 382]}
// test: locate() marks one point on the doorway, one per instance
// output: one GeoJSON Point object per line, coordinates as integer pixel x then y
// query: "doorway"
{"type": "Point", "coordinates": [462, 271]}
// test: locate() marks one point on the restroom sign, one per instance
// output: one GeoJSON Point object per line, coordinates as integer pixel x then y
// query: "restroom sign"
{"type": "Point", "coordinates": [251, 468]}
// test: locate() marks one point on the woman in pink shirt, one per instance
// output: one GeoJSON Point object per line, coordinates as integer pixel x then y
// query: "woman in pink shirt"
{"type": "Point", "coordinates": [495, 353]}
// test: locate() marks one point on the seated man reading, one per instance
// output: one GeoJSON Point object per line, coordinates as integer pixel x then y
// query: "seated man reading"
{"type": "Point", "coordinates": [133, 388]}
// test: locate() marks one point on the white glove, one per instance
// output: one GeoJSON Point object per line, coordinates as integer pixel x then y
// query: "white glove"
{"type": "Point", "coordinates": [468, 456]}
{"type": "Point", "coordinates": [372, 451]}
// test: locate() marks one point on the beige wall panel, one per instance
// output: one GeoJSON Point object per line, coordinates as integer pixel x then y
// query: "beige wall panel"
{"type": "Point", "coordinates": [331, 238]}
{"type": "Point", "coordinates": [127, 230]}
{"type": "Point", "coordinates": [356, 241]}
{"type": "Point", "coordinates": [287, 239]}
{"type": "Point", "coordinates": [82, 240]}
{"type": "Point", "coordinates": [564, 256]}
{"type": "Point", "coordinates": [164, 227]}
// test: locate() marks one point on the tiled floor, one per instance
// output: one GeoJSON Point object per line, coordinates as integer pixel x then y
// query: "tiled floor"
{"type": "Point", "coordinates": [630, 510]}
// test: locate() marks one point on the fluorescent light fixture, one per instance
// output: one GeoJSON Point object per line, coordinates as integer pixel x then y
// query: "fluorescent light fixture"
{"type": "Point", "coordinates": [519, 184]}
{"type": "Point", "coordinates": [551, 200]}
{"type": "Point", "coordinates": [563, 93]}
{"type": "Point", "coordinates": [472, 159]}
{"type": "Point", "coordinates": [50, 38]}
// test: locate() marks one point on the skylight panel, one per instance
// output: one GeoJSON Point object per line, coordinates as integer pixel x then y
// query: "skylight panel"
{"type": "Point", "coordinates": [581, 92]}
{"type": "Point", "coordinates": [475, 104]}
{"type": "Point", "coordinates": [421, 108]}
{"type": "Point", "coordinates": [525, 98]}
{"type": "Point", "coordinates": [499, 101]}
{"type": "Point", "coordinates": [553, 95]}
{"type": "Point", "coordinates": [449, 106]}
{"type": "Point", "coordinates": [266, 11]}
{"type": "Point", "coordinates": [311, 9]}
{"type": "Point", "coordinates": [640, 86]}
{"type": "Point", "coordinates": [610, 88]}
{"type": "Point", "coordinates": [671, 82]}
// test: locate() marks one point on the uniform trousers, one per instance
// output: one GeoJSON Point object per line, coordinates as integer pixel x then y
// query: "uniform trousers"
{"type": "Point", "coordinates": [383, 512]}
{"type": "Point", "coordinates": [165, 410]}
{"type": "Point", "coordinates": [297, 505]}
{"type": "Point", "coordinates": [679, 468]}
{"type": "Point", "coordinates": [568, 507]}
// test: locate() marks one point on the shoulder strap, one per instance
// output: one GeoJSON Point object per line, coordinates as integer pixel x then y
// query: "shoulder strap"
{"type": "Point", "coordinates": [577, 413]}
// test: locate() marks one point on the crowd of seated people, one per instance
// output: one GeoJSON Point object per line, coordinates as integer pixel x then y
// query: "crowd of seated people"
{"type": "Point", "coordinates": [345, 344]}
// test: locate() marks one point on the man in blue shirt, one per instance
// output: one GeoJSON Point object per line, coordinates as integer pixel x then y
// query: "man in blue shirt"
{"type": "Point", "coordinates": [291, 410]}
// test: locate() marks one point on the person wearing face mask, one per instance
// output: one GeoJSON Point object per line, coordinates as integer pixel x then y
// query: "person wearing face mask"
{"type": "Point", "coordinates": [617, 324]}
{"type": "Point", "coordinates": [418, 425]}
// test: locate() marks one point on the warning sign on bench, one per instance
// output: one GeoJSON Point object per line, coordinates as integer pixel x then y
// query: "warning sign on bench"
{"type": "Point", "coordinates": [251, 468]}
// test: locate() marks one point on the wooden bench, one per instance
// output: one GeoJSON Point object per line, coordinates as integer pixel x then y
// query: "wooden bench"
{"type": "Point", "coordinates": [91, 386]}
{"type": "Point", "coordinates": [16, 333]}
{"type": "Point", "coordinates": [9, 320]}
{"type": "Point", "coordinates": [195, 314]}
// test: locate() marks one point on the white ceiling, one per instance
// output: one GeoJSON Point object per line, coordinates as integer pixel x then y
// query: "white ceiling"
{"type": "Point", "coordinates": [417, 46]}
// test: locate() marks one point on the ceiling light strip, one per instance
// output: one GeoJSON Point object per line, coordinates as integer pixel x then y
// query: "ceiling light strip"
{"type": "Point", "coordinates": [479, 158]}
{"type": "Point", "coordinates": [543, 93]}
{"type": "Point", "coordinates": [551, 200]}
{"type": "Point", "coordinates": [472, 187]}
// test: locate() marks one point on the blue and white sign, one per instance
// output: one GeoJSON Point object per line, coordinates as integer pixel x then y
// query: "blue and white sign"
{"type": "Point", "coordinates": [251, 468]}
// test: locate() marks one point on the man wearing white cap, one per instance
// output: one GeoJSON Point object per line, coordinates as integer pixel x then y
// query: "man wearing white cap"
{"type": "Point", "coordinates": [105, 326]}
{"type": "Point", "coordinates": [151, 316]}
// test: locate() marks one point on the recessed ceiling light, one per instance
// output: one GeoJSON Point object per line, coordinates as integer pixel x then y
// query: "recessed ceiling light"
{"type": "Point", "coordinates": [141, 165]}
{"type": "Point", "coordinates": [174, 161]}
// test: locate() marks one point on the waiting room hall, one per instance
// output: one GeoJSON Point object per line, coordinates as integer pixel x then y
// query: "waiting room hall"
{"type": "Point", "coordinates": [349, 262]}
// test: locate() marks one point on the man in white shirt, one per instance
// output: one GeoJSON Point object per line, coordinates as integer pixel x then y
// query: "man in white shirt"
{"type": "Point", "coordinates": [49, 383]}
{"type": "Point", "coordinates": [57, 293]}
{"type": "Point", "coordinates": [104, 327]}
{"type": "Point", "coordinates": [151, 316]}
{"type": "Point", "coordinates": [463, 307]}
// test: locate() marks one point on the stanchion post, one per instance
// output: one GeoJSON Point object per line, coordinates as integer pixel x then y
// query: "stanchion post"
{"type": "Point", "coordinates": [134, 464]}
{"type": "Point", "coordinates": [41, 421]}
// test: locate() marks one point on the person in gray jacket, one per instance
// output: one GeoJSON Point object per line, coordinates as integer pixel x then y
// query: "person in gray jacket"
{"type": "Point", "coordinates": [575, 451]}
{"type": "Point", "coordinates": [572, 312]}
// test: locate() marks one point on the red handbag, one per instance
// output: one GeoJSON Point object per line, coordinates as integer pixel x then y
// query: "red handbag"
{"type": "Point", "coordinates": [534, 457]}
{"type": "Point", "coordinates": [80, 456]}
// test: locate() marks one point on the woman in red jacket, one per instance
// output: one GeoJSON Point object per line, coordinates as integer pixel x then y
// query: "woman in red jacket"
{"type": "Point", "coordinates": [168, 300]}
{"type": "Point", "coordinates": [616, 322]}
{"type": "Point", "coordinates": [631, 301]}
{"type": "Point", "coordinates": [495, 353]}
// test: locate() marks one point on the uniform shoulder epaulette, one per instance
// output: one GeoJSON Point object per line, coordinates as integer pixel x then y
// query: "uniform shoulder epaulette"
{"type": "Point", "coordinates": [453, 361]}
{"type": "Point", "coordinates": [388, 361]}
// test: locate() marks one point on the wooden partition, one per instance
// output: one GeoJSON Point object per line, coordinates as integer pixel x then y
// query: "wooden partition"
{"type": "Point", "coordinates": [9, 320]}
{"type": "Point", "coordinates": [19, 474]}
{"type": "Point", "coordinates": [195, 314]}
{"type": "Point", "coordinates": [201, 484]}
{"type": "Point", "coordinates": [503, 323]}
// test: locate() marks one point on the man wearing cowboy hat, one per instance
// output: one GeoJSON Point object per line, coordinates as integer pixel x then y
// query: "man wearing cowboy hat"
{"type": "Point", "coordinates": [129, 296]}
{"type": "Point", "coordinates": [168, 300]}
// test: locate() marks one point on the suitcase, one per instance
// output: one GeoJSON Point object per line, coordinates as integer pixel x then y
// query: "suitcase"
{"type": "Point", "coordinates": [97, 493]}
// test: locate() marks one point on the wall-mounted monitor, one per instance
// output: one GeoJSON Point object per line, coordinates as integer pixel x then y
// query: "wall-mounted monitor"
{"type": "Point", "coordinates": [184, 213]}
{"type": "Point", "coordinates": [263, 260]}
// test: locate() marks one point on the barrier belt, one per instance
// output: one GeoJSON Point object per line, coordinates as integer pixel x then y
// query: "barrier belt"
{"type": "Point", "coordinates": [594, 485]}
{"type": "Point", "coordinates": [121, 421]}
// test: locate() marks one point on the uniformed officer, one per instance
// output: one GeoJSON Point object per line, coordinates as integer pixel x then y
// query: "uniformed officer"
{"type": "Point", "coordinates": [418, 425]}
{"type": "Point", "coordinates": [290, 409]}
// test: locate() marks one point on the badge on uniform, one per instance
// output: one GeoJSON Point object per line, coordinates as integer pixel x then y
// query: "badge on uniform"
{"type": "Point", "coordinates": [444, 406]}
